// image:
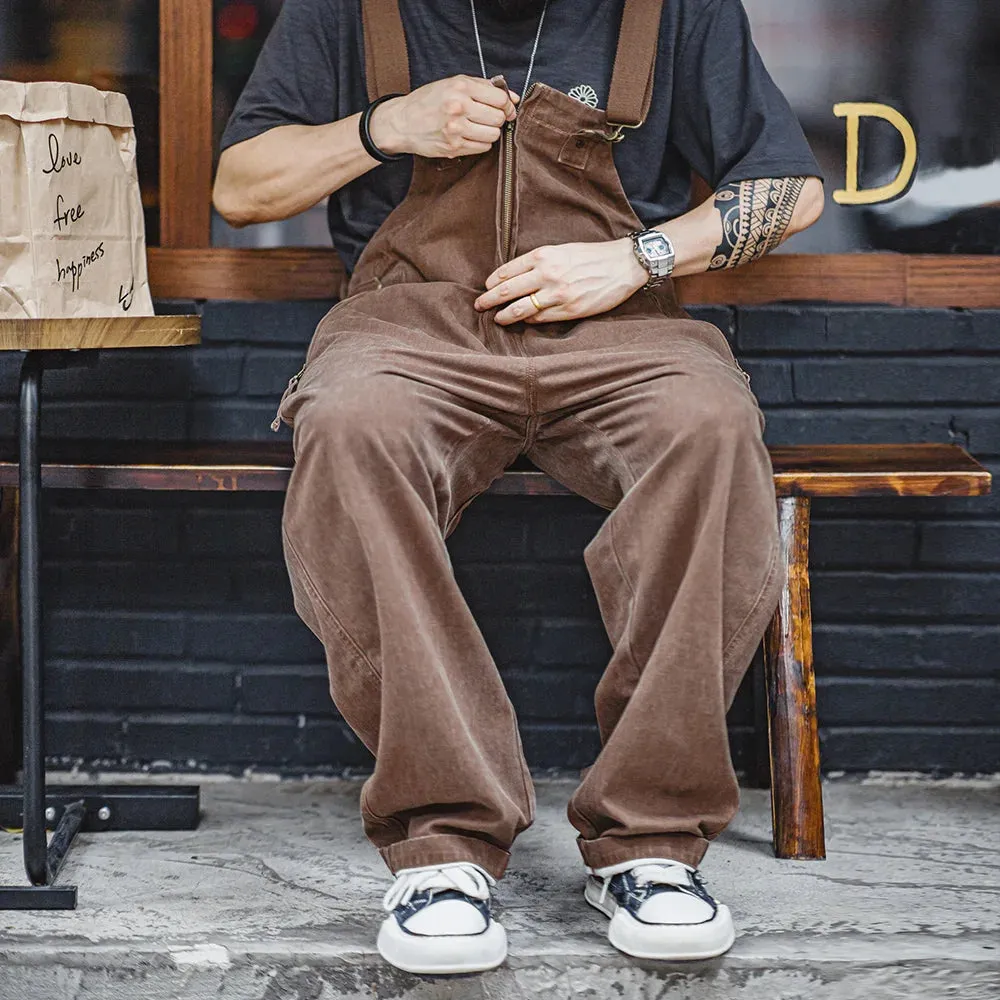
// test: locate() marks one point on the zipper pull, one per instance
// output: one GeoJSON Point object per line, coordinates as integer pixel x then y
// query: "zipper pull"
{"type": "Point", "coordinates": [293, 384]}
{"type": "Point", "coordinates": [501, 82]}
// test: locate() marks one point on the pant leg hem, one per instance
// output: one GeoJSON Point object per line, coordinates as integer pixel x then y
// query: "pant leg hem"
{"type": "Point", "coordinates": [606, 851]}
{"type": "Point", "coordinates": [442, 849]}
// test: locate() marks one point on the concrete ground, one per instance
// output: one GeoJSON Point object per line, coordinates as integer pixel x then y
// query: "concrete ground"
{"type": "Point", "coordinates": [276, 897]}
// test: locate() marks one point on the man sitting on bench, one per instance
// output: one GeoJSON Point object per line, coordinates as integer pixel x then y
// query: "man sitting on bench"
{"type": "Point", "coordinates": [510, 248]}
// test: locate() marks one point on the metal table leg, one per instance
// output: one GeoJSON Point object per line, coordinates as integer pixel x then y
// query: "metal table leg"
{"type": "Point", "coordinates": [41, 863]}
{"type": "Point", "coordinates": [70, 808]}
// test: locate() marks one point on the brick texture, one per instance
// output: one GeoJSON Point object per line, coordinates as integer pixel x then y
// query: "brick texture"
{"type": "Point", "coordinates": [172, 639]}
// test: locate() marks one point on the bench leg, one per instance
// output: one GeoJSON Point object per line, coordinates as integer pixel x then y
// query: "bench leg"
{"type": "Point", "coordinates": [796, 793]}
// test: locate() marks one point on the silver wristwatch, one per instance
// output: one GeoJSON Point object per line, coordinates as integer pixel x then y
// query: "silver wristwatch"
{"type": "Point", "coordinates": [656, 254]}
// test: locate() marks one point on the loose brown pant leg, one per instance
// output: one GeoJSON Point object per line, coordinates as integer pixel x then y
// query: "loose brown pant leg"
{"type": "Point", "coordinates": [389, 448]}
{"type": "Point", "coordinates": [687, 575]}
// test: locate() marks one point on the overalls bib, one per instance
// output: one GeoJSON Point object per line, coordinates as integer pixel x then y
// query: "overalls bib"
{"type": "Point", "coordinates": [411, 403]}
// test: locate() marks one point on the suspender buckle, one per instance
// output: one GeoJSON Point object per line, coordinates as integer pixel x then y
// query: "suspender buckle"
{"type": "Point", "coordinates": [617, 132]}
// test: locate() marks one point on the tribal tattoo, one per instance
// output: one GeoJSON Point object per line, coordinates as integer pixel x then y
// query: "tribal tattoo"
{"type": "Point", "coordinates": [755, 218]}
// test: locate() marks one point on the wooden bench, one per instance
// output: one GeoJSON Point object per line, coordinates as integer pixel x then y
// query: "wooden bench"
{"type": "Point", "coordinates": [801, 472]}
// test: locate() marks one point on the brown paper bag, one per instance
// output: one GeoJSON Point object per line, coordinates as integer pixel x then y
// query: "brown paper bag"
{"type": "Point", "coordinates": [72, 236]}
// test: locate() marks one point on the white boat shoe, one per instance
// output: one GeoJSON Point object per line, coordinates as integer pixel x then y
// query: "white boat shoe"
{"type": "Point", "coordinates": [439, 921]}
{"type": "Point", "coordinates": [660, 909]}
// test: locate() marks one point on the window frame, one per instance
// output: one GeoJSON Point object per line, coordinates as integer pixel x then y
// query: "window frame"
{"type": "Point", "coordinates": [186, 266]}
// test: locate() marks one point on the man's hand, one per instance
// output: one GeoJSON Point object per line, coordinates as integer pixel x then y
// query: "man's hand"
{"type": "Point", "coordinates": [569, 282]}
{"type": "Point", "coordinates": [459, 116]}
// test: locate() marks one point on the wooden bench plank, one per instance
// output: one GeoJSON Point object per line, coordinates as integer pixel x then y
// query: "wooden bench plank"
{"type": "Point", "coordinates": [800, 470]}
{"type": "Point", "coordinates": [917, 470]}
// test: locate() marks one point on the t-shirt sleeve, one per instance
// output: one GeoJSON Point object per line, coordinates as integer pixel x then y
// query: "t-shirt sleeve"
{"type": "Point", "coordinates": [729, 120]}
{"type": "Point", "coordinates": [295, 79]}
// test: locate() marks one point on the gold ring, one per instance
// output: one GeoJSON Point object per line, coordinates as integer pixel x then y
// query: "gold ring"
{"type": "Point", "coordinates": [535, 302]}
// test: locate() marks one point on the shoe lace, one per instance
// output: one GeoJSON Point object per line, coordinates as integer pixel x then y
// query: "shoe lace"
{"type": "Point", "coordinates": [665, 873]}
{"type": "Point", "coordinates": [468, 879]}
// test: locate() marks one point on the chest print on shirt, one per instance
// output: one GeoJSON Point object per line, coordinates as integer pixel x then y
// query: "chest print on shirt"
{"type": "Point", "coordinates": [584, 93]}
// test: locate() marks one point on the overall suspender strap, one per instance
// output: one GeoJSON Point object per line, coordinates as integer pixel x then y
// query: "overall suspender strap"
{"type": "Point", "coordinates": [635, 63]}
{"type": "Point", "coordinates": [387, 65]}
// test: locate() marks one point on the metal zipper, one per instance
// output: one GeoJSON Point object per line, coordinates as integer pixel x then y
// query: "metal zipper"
{"type": "Point", "coordinates": [293, 384]}
{"type": "Point", "coordinates": [507, 160]}
{"type": "Point", "coordinates": [507, 210]}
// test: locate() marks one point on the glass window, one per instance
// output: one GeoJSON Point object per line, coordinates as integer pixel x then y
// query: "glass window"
{"type": "Point", "coordinates": [935, 61]}
{"type": "Point", "coordinates": [240, 29]}
{"type": "Point", "coordinates": [109, 44]}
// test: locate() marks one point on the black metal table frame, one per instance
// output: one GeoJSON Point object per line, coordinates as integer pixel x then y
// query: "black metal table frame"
{"type": "Point", "coordinates": [69, 808]}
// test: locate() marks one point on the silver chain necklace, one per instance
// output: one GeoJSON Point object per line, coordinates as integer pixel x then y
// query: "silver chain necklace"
{"type": "Point", "coordinates": [534, 48]}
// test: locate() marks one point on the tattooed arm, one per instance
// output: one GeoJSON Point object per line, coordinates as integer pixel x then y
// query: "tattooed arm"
{"type": "Point", "coordinates": [757, 216]}
{"type": "Point", "coordinates": [743, 221]}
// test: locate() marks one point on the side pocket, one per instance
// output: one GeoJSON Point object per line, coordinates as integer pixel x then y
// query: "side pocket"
{"type": "Point", "coordinates": [293, 384]}
{"type": "Point", "coordinates": [726, 351]}
{"type": "Point", "coordinates": [743, 372]}
{"type": "Point", "coordinates": [399, 272]}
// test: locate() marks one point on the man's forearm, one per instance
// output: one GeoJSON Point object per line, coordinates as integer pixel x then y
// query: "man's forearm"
{"type": "Point", "coordinates": [287, 170]}
{"type": "Point", "coordinates": [572, 280]}
{"type": "Point", "coordinates": [292, 167]}
{"type": "Point", "coordinates": [743, 221]}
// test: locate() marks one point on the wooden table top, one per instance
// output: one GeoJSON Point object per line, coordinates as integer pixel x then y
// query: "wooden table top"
{"type": "Point", "coordinates": [99, 333]}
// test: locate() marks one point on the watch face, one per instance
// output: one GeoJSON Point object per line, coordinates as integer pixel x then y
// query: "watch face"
{"type": "Point", "coordinates": [656, 247]}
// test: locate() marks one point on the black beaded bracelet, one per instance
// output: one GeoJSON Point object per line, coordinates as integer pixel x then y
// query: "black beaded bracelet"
{"type": "Point", "coordinates": [364, 129]}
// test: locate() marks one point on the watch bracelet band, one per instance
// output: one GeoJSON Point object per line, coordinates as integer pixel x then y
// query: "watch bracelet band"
{"type": "Point", "coordinates": [364, 130]}
{"type": "Point", "coordinates": [654, 279]}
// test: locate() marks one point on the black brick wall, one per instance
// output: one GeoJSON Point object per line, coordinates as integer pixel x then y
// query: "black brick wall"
{"type": "Point", "coordinates": [171, 636]}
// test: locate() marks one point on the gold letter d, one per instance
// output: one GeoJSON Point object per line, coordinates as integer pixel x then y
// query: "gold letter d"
{"type": "Point", "coordinates": [872, 196]}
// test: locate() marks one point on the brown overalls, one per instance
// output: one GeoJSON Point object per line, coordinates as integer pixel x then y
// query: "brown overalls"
{"type": "Point", "coordinates": [411, 403]}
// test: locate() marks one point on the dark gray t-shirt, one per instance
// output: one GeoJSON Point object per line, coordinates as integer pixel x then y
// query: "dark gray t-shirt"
{"type": "Point", "coordinates": [715, 109]}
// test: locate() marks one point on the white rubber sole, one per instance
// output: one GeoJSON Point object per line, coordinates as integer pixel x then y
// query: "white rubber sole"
{"type": "Point", "coordinates": [665, 942]}
{"type": "Point", "coordinates": [445, 955]}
